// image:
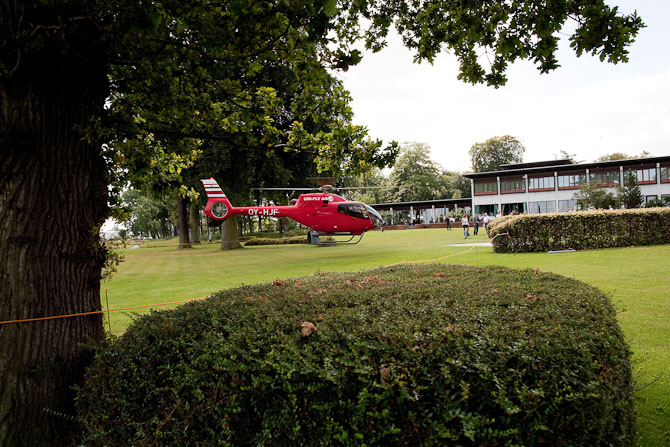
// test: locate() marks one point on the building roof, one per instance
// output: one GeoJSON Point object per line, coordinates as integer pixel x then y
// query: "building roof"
{"type": "Point", "coordinates": [560, 165]}
{"type": "Point", "coordinates": [536, 164]}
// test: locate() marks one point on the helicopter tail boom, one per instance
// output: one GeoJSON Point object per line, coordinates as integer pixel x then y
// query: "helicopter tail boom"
{"type": "Point", "coordinates": [218, 206]}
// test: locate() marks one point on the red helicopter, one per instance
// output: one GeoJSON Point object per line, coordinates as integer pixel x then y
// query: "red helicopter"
{"type": "Point", "coordinates": [327, 214]}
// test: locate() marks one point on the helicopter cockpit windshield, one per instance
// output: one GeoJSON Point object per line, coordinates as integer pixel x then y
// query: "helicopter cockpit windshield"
{"type": "Point", "coordinates": [376, 217]}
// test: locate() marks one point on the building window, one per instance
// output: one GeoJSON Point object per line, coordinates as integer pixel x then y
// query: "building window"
{"type": "Point", "coordinates": [644, 175]}
{"type": "Point", "coordinates": [512, 185]}
{"type": "Point", "coordinates": [541, 183]}
{"type": "Point", "coordinates": [571, 181]}
{"type": "Point", "coordinates": [566, 205]}
{"type": "Point", "coordinates": [486, 187]}
{"type": "Point", "coordinates": [512, 208]}
{"type": "Point", "coordinates": [648, 199]}
{"type": "Point", "coordinates": [548, 206]}
{"type": "Point", "coordinates": [665, 174]}
{"type": "Point", "coordinates": [604, 178]}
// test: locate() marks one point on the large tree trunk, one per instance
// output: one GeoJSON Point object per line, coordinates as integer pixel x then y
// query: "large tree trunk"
{"type": "Point", "coordinates": [52, 184]}
{"type": "Point", "coordinates": [182, 216]}
{"type": "Point", "coordinates": [229, 238]}
{"type": "Point", "coordinates": [284, 227]}
{"type": "Point", "coordinates": [194, 223]}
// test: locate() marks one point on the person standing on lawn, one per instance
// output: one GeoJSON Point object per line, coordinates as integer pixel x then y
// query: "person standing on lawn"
{"type": "Point", "coordinates": [466, 226]}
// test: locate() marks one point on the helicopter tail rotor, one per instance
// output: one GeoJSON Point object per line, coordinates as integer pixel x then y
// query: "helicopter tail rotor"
{"type": "Point", "coordinates": [218, 206]}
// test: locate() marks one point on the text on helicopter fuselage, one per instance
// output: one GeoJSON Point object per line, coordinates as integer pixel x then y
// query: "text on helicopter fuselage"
{"type": "Point", "coordinates": [263, 212]}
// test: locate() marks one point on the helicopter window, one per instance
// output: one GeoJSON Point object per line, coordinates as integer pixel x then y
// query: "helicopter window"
{"type": "Point", "coordinates": [354, 210]}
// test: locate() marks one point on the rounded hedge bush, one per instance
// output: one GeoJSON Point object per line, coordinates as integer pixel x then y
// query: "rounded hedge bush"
{"type": "Point", "coordinates": [420, 356]}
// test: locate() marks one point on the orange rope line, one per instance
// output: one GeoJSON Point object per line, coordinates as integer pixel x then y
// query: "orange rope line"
{"type": "Point", "coordinates": [96, 312]}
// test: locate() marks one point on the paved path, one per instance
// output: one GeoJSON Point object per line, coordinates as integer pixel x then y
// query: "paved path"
{"type": "Point", "coordinates": [472, 244]}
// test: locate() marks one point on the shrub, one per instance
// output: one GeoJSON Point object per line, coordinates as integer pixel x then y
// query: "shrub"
{"type": "Point", "coordinates": [594, 195]}
{"type": "Point", "coordinates": [630, 193]}
{"type": "Point", "coordinates": [273, 234]}
{"type": "Point", "coordinates": [277, 240]}
{"type": "Point", "coordinates": [419, 356]}
{"type": "Point", "coordinates": [657, 203]}
{"type": "Point", "coordinates": [581, 230]}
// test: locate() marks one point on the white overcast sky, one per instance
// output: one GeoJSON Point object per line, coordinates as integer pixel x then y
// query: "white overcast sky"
{"type": "Point", "coordinates": [586, 107]}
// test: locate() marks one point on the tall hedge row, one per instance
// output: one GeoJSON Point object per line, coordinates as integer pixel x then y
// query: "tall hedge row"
{"type": "Point", "coordinates": [581, 230]}
{"type": "Point", "coordinates": [404, 356]}
{"type": "Point", "coordinates": [276, 240]}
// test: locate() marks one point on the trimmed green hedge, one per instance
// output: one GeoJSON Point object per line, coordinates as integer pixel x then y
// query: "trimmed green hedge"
{"type": "Point", "coordinates": [581, 230]}
{"type": "Point", "coordinates": [277, 241]}
{"type": "Point", "coordinates": [404, 356]}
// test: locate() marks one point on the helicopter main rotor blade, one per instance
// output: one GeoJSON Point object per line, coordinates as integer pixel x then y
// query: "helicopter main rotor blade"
{"type": "Point", "coordinates": [364, 187]}
{"type": "Point", "coordinates": [327, 188]}
{"type": "Point", "coordinates": [353, 188]}
{"type": "Point", "coordinates": [284, 189]}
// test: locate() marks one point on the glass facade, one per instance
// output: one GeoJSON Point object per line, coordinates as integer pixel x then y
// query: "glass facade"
{"type": "Point", "coordinates": [541, 183]}
{"type": "Point", "coordinates": [486, 187]}
{"type": "Point", "coordinates": [548, 206]}
{"type": "Point", "coordinates": [605, 178]}
{"type": "Point", "coordinates": [566, 205]}
{"type": "Point", "coordinates": [644, 175]}
{"type": "Point", "coordinates": [571, 180]}
{"type": "Point", "coordinates": [512, 185]}
{"type": "Point", "coordinates": [665, 174]}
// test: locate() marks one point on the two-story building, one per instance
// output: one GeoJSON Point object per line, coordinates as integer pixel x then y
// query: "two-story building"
{"type": "Point", "coordinates": [549, 186]}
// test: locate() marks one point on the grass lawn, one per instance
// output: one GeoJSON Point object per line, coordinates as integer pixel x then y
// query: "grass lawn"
{"type": "Point", "coordinates": [636, 278]}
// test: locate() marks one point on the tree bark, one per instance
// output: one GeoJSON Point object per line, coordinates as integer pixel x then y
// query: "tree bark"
{"type": "Point", "coordinates": [54, 183]}
{"type": "Point", "coordinates": [229, 238]}
{"type": "Point", "coordinates": [284, 227]}
{"type": "Point", "coordinates": [182, 216]}
{"type": "Point", "coordinates": [194, 223]}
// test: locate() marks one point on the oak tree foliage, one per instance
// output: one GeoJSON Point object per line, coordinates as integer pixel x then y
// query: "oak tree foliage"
{"type": "Point", "coordinates": [415, 174]}
{"type": "Point", "coordinates": [622, 156]}
{"type": "Point", "coordinates": [494, 152]}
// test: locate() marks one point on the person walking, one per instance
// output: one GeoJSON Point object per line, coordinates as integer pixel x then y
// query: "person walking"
{"type": "Point", "coordinates": [466, 226]}
{"type": "Point", "coordinates": [448, 221]}
{"type": "Point", "coordinates": [476, 220]}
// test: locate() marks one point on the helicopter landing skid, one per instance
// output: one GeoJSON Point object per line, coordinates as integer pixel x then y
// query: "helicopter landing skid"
{"type": "Point", "coordinates": [315, 238]}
